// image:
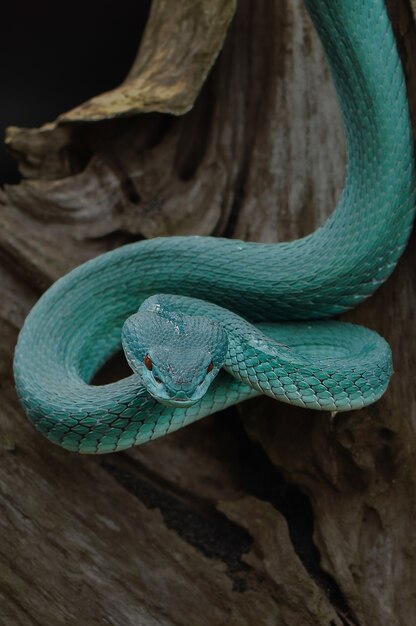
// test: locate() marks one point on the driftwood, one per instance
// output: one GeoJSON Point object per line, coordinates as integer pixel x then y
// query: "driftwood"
{"type": "Point", "coordinates": [261, 515]}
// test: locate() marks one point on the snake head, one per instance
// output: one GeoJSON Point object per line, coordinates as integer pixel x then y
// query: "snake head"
{"type": "Point", "coordinates": [177, 356]}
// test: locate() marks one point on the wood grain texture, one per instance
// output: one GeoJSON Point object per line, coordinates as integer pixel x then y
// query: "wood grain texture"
{"type": "Point", "coordinates": [264, 515]}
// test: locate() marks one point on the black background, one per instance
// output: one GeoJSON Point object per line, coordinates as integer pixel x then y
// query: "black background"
{"type": "Point", "coordinates": [55, 56]}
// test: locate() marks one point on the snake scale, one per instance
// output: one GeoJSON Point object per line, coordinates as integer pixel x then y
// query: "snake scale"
{"type": "Point", "coordinates": [176, 344]}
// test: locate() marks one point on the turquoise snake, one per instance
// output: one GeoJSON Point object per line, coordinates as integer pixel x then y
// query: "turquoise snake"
{"type": "Point", "coordinates": [77, 325]}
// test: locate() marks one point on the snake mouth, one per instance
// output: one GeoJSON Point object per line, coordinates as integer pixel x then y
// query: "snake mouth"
{"type": "Point", "coordinates": [178, 402]}
{"type": "Point", "coordinates": [178, 398]}
{"type": "Point", "coordinates": [175, 398]}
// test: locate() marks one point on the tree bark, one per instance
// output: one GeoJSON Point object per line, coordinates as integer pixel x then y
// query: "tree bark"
{"type": "Point", "coordinates": [264, 514]}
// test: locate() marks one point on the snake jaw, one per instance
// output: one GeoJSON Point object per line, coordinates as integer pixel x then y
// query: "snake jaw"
{"type": "Point", "coordinates": [177, 403]}
{"type": "Point", "coordinates": [176, 393]}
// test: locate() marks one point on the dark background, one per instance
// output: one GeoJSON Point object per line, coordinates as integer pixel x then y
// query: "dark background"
{"type": "Point", "coordinates": [55, 56]}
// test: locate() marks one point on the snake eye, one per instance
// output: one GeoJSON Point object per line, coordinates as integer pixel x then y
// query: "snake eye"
{"type": "Point", "coordinates": [148, 362]}
{"type": "Point", "coordinates": [210, 367]}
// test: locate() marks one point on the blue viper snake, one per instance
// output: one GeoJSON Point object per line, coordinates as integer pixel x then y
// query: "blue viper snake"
{"type": "Point", "coordinates": [207, 322]}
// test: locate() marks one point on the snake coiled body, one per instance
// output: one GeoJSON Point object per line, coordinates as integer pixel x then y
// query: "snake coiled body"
{"type": "Point", "coordinates": [75, 327]}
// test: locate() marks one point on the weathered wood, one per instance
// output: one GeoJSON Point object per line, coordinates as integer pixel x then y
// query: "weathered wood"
{"type": "Point", "coordinates": [304, 521]}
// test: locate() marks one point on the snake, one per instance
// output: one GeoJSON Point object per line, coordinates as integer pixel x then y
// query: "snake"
{"type": "Point", "coordinates": [208, 322]}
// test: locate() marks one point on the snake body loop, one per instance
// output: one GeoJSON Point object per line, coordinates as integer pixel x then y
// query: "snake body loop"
{"type": "Point", "coordinates": [75, 327]}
